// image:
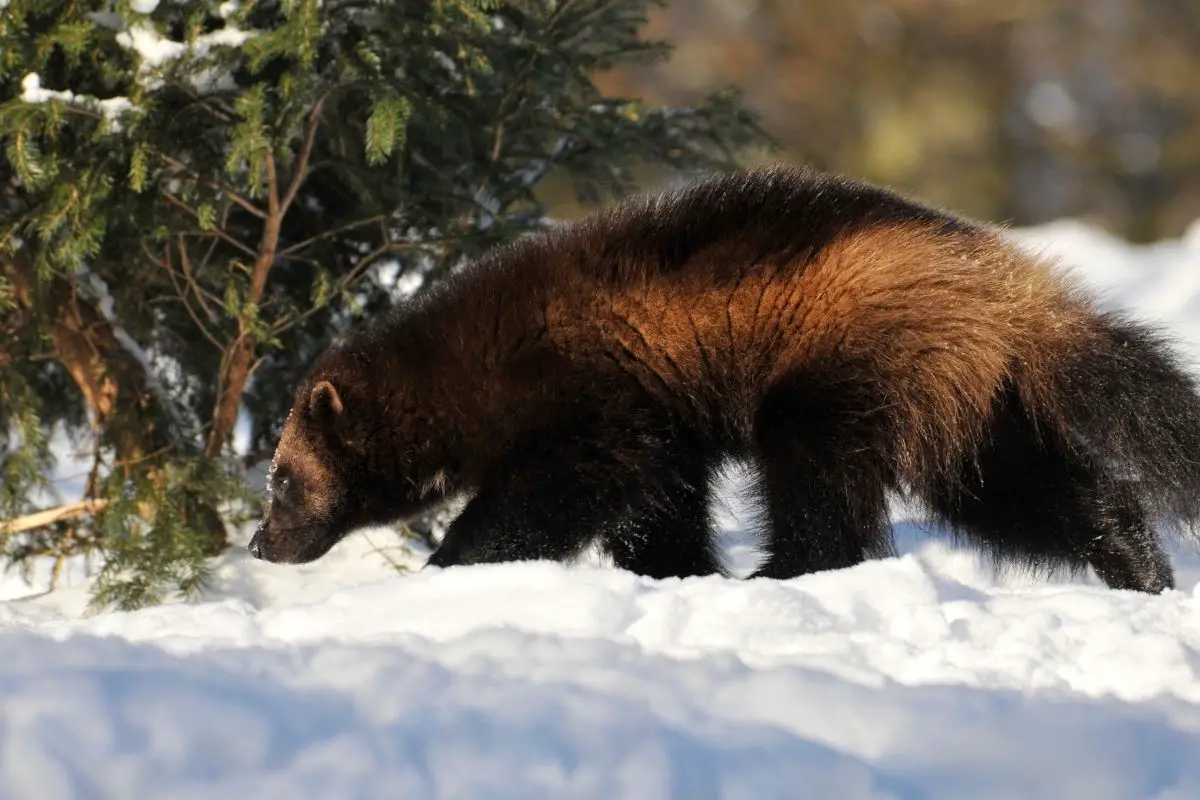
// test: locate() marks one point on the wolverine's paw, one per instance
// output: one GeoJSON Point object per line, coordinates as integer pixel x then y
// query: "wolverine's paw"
{"type": "Point", "coordinates": [442, 557]}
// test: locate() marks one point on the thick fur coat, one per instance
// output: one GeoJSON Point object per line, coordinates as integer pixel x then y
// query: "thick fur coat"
{"type": "Point", "coordinates": [584, 382]}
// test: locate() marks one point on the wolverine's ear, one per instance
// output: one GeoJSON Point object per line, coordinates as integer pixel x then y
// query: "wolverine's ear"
{"type": "Point", "coordinates": [325, 405]}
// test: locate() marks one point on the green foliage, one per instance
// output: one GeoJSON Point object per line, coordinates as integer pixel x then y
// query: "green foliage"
{"type": "Point", "coordinates": [385, 128]}
{"type": "Point", "coordinates": [8, 300]}
{"type": "Point", "coordinates": [149, 560]}
{"type": "Point", "coordinates": [199, 198]}
{"type": "Point", "coordinates": [250, 144]}
{"type": "Point", "coordinates": [24, 466]}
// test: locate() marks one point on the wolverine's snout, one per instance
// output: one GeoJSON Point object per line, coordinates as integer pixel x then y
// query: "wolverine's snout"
{"type": "Point", "coordinates": [298, 544]}
{"type": "Point", "coordinates": [255, 546]}
{"type": "Point", "coordinates": [273, 549]}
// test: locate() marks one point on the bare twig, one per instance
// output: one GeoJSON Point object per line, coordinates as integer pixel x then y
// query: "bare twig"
{"type": "Point", "coordinates": [330, 233]}
{"type": "Point", "coordinates": [185, 263]}
{"type": "Point", "coordinates": [181, 294]}
{"type": "Point", "coordinates": [232, 195]}
{"type": "Point", "coordinates": [310, 138]}
{"type": "Point", "coordinates": [41, 519]}
{"type": "Point", "coordinates": [215, 231]}
{"type": "Point", "coordinates": [345, 281]}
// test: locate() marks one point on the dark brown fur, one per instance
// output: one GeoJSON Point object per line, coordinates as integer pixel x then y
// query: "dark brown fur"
{"type": "Point", "coordinates": [585, 381]}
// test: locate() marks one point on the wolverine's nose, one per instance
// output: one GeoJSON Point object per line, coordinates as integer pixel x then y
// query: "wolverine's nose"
{"type": "Point", "coordinates": [255, 546]}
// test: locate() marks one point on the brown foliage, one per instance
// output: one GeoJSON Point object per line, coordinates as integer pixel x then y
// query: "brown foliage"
{"type": "Point", "coordinates": [1020, 111]}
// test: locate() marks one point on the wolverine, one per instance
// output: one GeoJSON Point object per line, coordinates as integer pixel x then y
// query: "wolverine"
{"type": "Point", "coordinates": [581, 385]}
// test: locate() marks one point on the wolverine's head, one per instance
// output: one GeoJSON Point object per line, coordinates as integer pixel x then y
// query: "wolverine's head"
{"type": "Point", "coordinates": [368, 441]}
{"type": "Point", "coordinates": [308, 496]}
{"type": "Point", "coordinates": [340, 466]}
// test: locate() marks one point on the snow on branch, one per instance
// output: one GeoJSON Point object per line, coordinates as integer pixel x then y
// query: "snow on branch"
{"type": "Point", "coordinates": [111, 108]}
{"type": "Point", "coordinates": [106, 305]}
{"type": "Point", "coordinates": [156, 51]}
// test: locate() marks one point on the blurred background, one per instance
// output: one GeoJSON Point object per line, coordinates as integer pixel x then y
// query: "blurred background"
{"type": "Point", "coordinates": [1020, 111]}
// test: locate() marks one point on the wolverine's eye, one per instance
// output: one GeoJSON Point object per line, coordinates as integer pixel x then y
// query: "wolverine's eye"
{"type": "Point", "coordinates": [284, 489]}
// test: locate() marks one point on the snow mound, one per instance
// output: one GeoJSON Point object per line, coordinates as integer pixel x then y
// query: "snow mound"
{"type": "Point", "coordinates": [532, 680]}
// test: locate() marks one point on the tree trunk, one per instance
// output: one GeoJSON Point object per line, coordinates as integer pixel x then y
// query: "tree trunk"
{"type": "Point", "coordinates": [239, 362]}
{"type": "Point", "coordinates": [237, 370]}
{"type": "Point", "coordinates": [113, 382]}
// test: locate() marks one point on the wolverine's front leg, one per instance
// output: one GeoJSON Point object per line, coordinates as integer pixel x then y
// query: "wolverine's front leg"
{"type": "Point", "coordinates": [618, 478]}
{"type": "Point", "coordinates": [499, 524]}
{"type": "Point", "coordinates": [497, 527]}
{"type": "Point", "coordinates": [555, 492]}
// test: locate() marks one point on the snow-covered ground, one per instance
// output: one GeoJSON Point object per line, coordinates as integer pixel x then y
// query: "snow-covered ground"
{"type": "Point", "coordinates": [921, 676]}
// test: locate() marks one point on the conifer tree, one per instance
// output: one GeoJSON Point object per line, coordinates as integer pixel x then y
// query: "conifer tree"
{"type": "Point", "coordinates": [198, 195]}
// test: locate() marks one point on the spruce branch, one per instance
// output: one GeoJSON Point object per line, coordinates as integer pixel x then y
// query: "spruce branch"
{"type": "Point", "coordinates": [203, 296]}
{"type": "Point", "coordinates": [215, 185]}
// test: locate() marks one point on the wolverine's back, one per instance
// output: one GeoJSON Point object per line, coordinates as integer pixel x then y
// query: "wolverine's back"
{"type": "Point", "coordinates": [710, 294]}
{"type": "Point", "coordinates": [772, 215]}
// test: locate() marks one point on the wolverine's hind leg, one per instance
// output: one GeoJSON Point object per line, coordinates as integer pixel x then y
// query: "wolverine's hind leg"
{"type": "Point", "coordinates": [823, 477]}
{"type": "Point", "coordinates": [1033, 500]}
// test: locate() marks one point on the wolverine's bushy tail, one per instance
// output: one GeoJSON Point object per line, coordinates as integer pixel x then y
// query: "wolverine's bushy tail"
{"type": "Point", "coordinates": [1127, 398]}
